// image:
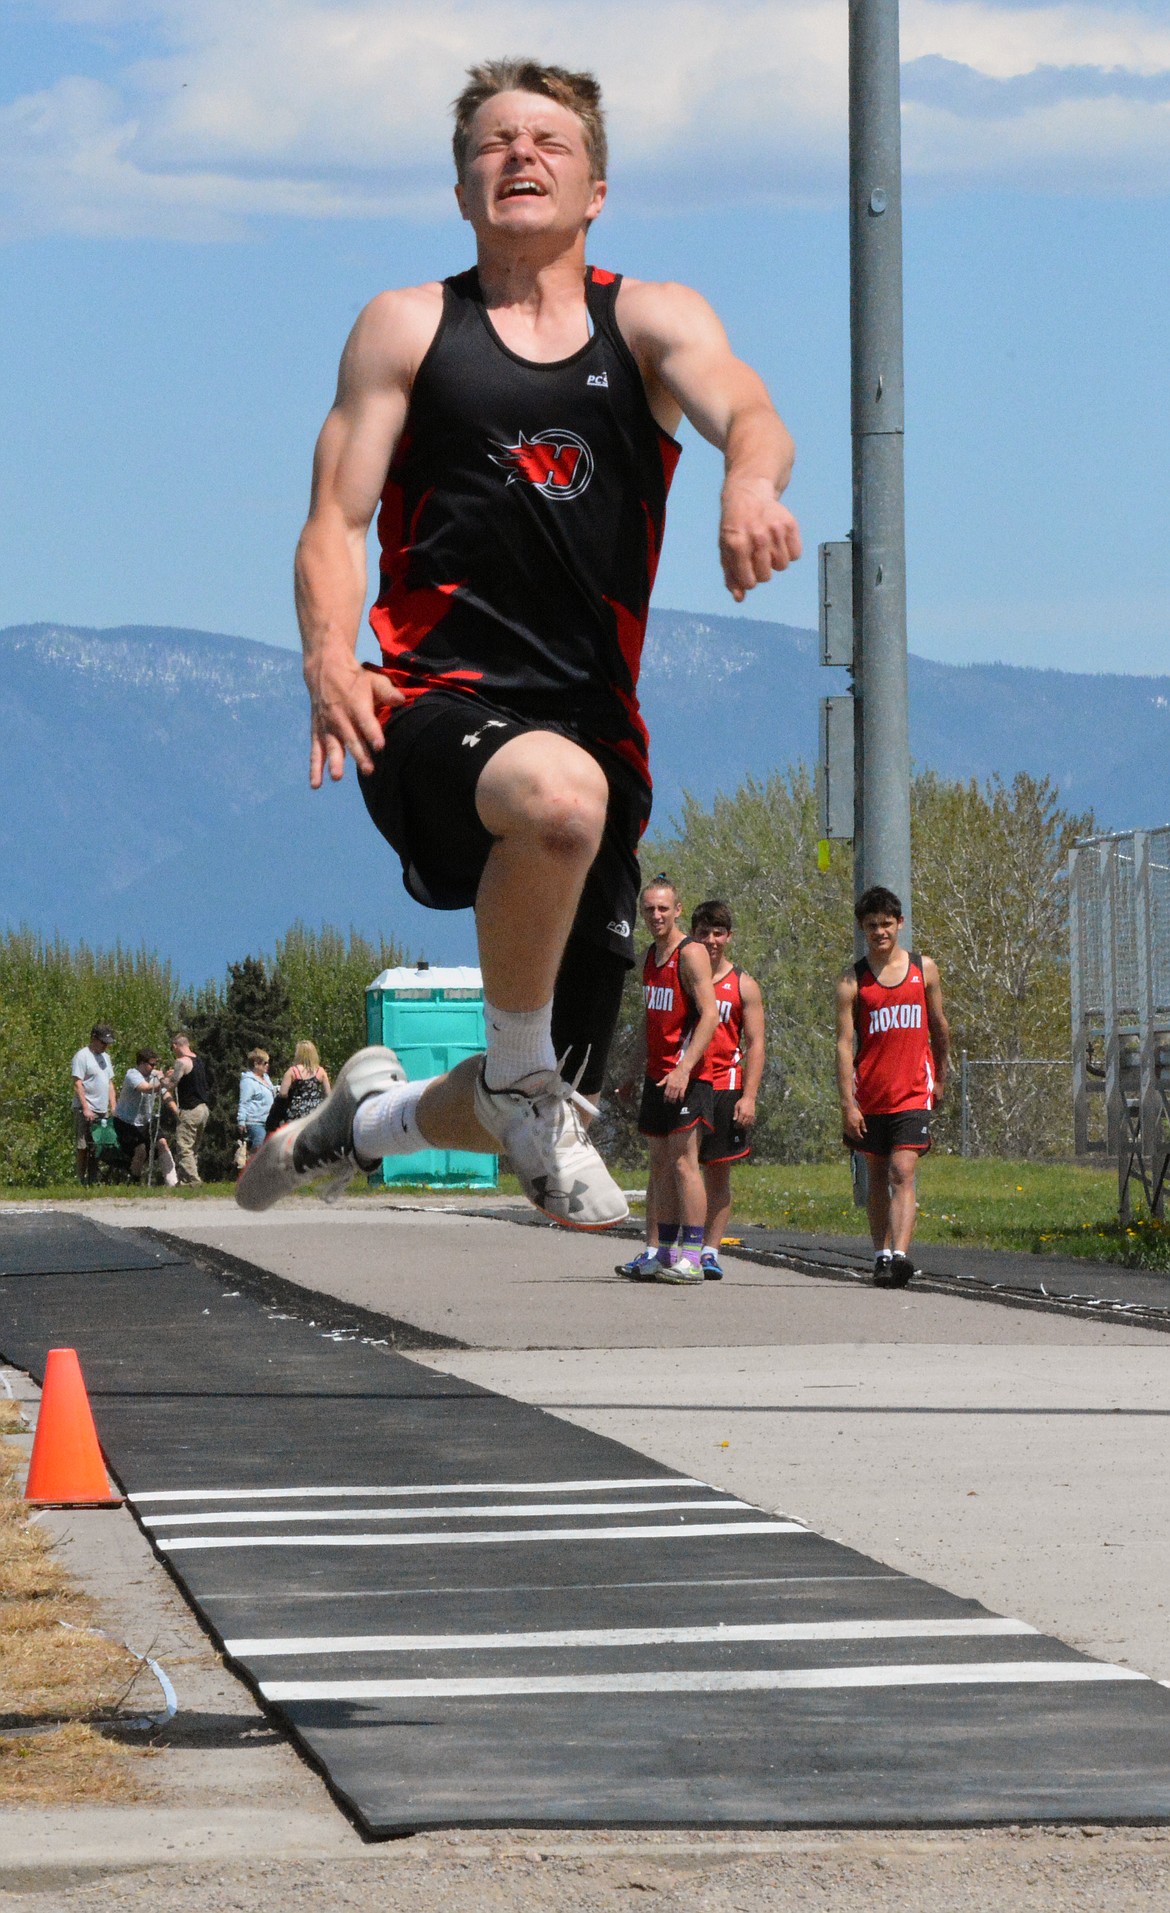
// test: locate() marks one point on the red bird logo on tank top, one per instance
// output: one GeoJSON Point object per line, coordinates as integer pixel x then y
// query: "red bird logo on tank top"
{"type": "Point", "coordinates": [558, 463]}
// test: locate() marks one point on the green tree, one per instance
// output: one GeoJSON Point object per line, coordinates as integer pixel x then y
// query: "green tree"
{"type": "Point", "coordinates": [325, 978]}
{"type": "Point", "coordinates": [991, 907]}
{"type": "Point", "coordinates": [758, 850]}
{"type": "Point", "coordinates": [252, 1012]}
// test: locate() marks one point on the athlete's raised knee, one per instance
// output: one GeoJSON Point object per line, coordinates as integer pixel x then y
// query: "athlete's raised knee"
{"type": "Point", "coordinates": [542, 787]}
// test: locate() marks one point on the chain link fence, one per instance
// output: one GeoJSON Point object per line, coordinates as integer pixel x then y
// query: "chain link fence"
{"type": "Point", "coordinates": [1019, 1107]}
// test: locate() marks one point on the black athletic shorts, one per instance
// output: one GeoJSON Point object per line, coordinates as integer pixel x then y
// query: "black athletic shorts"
{"type": "Point", "coordinates": [908, 1129]}
{"type": "Point", "coordinates": [658, 1117]}
{"type": "Point", "coordinates": [421, 796]}
{"type": "Point", "coordinates": [726, 1140]}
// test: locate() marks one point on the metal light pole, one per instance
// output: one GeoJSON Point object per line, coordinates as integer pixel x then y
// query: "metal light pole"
{"type": "Point", "coordinates": [881, 819]}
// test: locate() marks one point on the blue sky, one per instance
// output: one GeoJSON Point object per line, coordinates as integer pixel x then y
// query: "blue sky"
{"type": "Point", "coordinates": [196, 198]}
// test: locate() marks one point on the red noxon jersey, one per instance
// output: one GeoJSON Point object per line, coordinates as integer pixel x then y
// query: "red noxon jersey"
{"type": "Point", "coordinates": [893, 1069]}
{"type": "Point", "coordinates": [722, 1066]}
{"type": "Point", "coordinates": [521, 523]}
{"type": "Point", "coordinates": [670, 1014]}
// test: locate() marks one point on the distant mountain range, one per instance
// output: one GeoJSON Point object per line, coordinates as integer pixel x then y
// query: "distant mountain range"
{"type": "Point", "coordinates": [156, 789]}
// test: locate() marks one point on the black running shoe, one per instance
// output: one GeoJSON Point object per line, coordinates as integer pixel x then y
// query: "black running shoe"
{"type": "Point", "coordinates": [901, 1270]}
{"type": "Point", "coordinates": [882, 1266]}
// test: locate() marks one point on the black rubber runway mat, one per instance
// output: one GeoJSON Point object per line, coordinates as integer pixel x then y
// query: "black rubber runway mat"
{"type": "Point", "coordinates": [48, 1243]}
{"type": "Point", "coordinates": [471, 1613]}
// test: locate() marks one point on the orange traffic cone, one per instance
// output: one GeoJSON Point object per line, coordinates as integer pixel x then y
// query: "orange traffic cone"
{"type": "Point", "coordinates": [66, 1469]}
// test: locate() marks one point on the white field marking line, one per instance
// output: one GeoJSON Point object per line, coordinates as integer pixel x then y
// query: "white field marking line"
{"type": "Point", "coordinates": [684, 1531]}
{"type": "Point", "coordinates": [717, 1681]}
{"type": "Point", "coordinates": [624, 1637]}
{"type": "Point", "coordinates": [459, 1512]}
{"type": "Point", "coordinates": [621, 1485]}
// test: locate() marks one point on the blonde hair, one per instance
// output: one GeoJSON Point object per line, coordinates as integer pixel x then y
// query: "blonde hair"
{"type": "Point", "coordinates": [580, 92]}
{"type": "Point", "coordinates": [307, 1055]}
{"type": "Point", "coordinates": [257, 1055]}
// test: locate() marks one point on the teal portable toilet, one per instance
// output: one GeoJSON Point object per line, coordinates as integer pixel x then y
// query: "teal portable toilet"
{"type": "Point", "coordinates": [432, 1019]}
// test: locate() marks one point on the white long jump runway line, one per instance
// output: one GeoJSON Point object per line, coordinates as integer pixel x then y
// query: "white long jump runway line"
{"type": "Point", "coordinates": [685, 1531]}
{"type": "Point", "coordinates": [620, 1485]}
{"type": "Point", "coordinates": [461, 1512]}
{"type": "Point", "coordinates": [752, 1680]}
{"type": "Point", "coordinates": [574, 1637]}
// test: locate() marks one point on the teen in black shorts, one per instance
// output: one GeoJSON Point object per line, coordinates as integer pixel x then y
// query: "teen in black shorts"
{"type": "Point", "coordinates": [893, 1046]}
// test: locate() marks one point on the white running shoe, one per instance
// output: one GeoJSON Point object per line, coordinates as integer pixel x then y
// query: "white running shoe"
{"type": "Point", "coordinates": [681, 1268]}
{"type": "Point", "coordinates": [319, 1147]}
{"type": "Point", "coordinates": [540, 1131]}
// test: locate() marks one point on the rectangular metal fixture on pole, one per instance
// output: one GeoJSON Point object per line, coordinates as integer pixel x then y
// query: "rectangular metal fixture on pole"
{"type": "Point", "coordinates": [835, 769]}
{"type": "Point", "coordinates": [881, 844]}
{"type": "Point", "coordinates": [835, 562]}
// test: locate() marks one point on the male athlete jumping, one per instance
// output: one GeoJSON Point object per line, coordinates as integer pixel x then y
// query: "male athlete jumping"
{"type": "Point", "coordinates": [513, 427]}
{"type": "Point", "coordinates": [892, 1049]}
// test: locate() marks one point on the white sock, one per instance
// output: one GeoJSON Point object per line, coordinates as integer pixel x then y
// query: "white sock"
{"type": "Point", "coordinates": [387, 1124]}
{"type": "Point", "coordinates": [519, 1042]}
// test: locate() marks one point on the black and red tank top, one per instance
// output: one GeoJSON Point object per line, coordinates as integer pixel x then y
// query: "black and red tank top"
{"type": "Point", "coordinates": [892, 1069]}
{"type": "Point", "coordinates": [722, 1065]}
{"type": "Point", "coordinates": [670, 1014]}
{"type": "Point", "coordinates": [521, 524]}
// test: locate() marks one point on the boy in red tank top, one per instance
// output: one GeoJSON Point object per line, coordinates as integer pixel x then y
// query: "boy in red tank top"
{"type": "Point", "coordinates": [734, 1067]}
{"type": "Point", "coordinates": [892, 1049]}
{"type": "Point", "coordinates": [676, 1106]}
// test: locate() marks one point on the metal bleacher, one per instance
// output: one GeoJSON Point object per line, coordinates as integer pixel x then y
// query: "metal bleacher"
{"type": "Point", "coordinates": [1119, 933]}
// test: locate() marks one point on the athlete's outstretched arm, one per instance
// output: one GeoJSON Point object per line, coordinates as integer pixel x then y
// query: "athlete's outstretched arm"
{"type": "Point", "coordinates": [684, 352]}
{"type": "Point", "coordinates": [940, 1029]}
{"type": "Point", "coordinates": [753, 1042]}
{"type": "Point", "coordinates": [353, 454]}
{"type": "Point", "coordinates": [852, 1120]}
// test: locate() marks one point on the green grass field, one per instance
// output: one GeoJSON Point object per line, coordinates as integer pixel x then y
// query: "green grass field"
{"type": "Point", "coordinates": [1036, 1208]}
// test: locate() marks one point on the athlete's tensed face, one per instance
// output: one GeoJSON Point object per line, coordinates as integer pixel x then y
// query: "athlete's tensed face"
{"type": "Point", "coordinates": [528, 170]}
{"type": "Point", "coordinates": [661, 910]}
{"type": "Point", "coordinates": [714, 939]}
{"type": "Point", "coordinates": [881, 935]}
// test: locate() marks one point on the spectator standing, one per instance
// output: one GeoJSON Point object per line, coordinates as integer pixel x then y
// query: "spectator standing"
{"type": "Point", "coordinates": [134, 1114]}
{"type": "Point", "coordinates": [92, 1070]}
{"type": "Point", "coordinates": [256, 1099]}
{"type": "Point", "coordinates": [304, 1085]}
{"type": "Point", "coordinates": [192, 1094]}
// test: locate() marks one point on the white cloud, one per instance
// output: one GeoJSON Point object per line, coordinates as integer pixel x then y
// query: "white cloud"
{"type": "Point", "coordinates": [320, 108]}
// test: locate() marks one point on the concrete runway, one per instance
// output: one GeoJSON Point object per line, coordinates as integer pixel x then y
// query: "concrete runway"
{"type": "Point", "coordinates": [1020, 1458]}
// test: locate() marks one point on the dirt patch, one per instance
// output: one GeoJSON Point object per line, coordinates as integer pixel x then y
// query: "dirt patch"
{"type": "Point", "coordinates": [65, 1689]}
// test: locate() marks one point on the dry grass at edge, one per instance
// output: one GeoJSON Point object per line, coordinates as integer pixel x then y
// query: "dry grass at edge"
{"type": "Point", "coordinates": [58, 1684]}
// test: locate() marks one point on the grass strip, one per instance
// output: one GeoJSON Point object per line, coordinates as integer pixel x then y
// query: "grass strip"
{"type": "Point", "coordinates": [1035, 1208]}
{"type": "Point", "coordinates": [63, 1688]}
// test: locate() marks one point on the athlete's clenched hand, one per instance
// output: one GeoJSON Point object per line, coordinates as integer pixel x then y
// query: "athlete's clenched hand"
{"type": "Point", "coordinates": [345, 699]}
{"type": "Point", "coordinates": [757, 535]}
